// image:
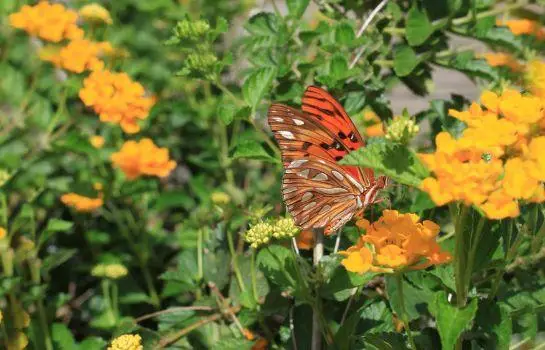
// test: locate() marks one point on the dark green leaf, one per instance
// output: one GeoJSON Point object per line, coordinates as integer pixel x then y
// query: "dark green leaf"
{"type": "Point", "coordinates": [257, 84]}
{"type": "Point", "coordinates": [385, 341]}
{"type": "Point", "coordinates": [57, 258]}
{"type": "Point", "coordinates": [344, 34]}
{"type": "Point", "coordinates": [252, 150]}
{"type": "Point", "coordinates": [495, 321]}
{"type": "Point", "coordinates": [451, 321]}
{"type": "Point", "coordinates": [418, 27]}
{"type": "Point", "coordinates": [405, 60]}
{"type": "Point", "coordinates": [62, 337]}
{"type": "Point", "coordinates": [394, 160]}
{"type": "Point", "coordinates": [415, 299]}
{"type": "Point", "coordinates": [297, 7]}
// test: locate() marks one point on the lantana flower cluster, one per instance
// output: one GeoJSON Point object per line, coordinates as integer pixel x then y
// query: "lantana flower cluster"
{"type": "Point", "coordinates": [50, 22]}
{"type": "Point", "coordinates": [78, 56]}
{"type": "Point", "coordinates": [262, 232]}
{"type": "Point", "coordinates": [393, 243]}
{"type": "Point", "coordinates": [81, 203]}
{"type": "Point", "coordinates": [143, 158]}
{"type": "Point", "coordinates": [116, 98]}
{"type": "Point", "coordinates": [127, 342]}
{"type": "Point", "coordinates": [523, 26]}
{"type": "Point", "coordinates": [498, 161]}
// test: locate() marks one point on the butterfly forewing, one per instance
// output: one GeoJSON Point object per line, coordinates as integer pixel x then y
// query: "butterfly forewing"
{"type": "Point", "coordinates": [320, 193]}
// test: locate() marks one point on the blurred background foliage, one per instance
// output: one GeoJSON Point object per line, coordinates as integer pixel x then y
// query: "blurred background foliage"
{"type": "Point", "coordinates": [213, 68]}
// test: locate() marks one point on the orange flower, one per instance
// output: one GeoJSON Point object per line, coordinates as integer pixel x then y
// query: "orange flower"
{"type": "Point", "coordinates": [51, 22]}
{"type": "Point", "coordinates": [97, 141]}
{"type": "Point", "coordinates": [305, 240]}
{"type": "Point", "coordinates": [375, 130]}
{"type": "Point", "coordinates": [79, 55]}
{"type": "Point", "coordinates": [499, 59]}
{"type": "Point", "coordinates": [143, 158]}
{"type": "Point", "coordinates": [395, 242]}
{"type": "Point", "coordinates": [535, 77]}
{"type": "Point", "coordinates": [261, 344]}
{"type": "Point", "coordinates": [374, 127]}
{"type": "Point", "coordinates": [116, 99]}
{"type": "Point", "coordinates": [81, 203]}
{"type": "Point", "coordinates": [523, 26]}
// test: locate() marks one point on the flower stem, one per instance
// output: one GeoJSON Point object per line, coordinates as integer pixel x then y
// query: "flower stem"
{"type": "Point", "coordinates": [318, 252]}
{"type": "Point", "coordinates": [234, 261]}
{"type": "Point", "coordinates": [460, 256]}
{"type": "Point", "coordinates": [404, 316]}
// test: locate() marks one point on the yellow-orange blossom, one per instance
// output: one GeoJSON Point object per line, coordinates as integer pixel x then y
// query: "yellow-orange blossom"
{"type": "Point", "coordinates": [143, 158]}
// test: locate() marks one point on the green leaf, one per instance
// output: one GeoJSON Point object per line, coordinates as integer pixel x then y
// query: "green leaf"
{"type": "Point", "coordinates": [340, 283]}
{"type": "Point", "coordinates": [174, 199]}
{"type": "Point", "coordinates": [446, 274]}
{"type": "Point", "coordinates": [57, 258]}
{"type": "Point", "coordinates": [252, 150]}
{"type": "Point", "coordinates": [297, 7]}
{"type": "Point", "coordinates": [405, 60]}
{"type": "Point", "coordinates": [414, 297]}
{"type": "Point", "coordinates": [278, 265]}
{"type": "Point", "coordinates": [418, 27]}
{"type": "Point", "coordinates": [92, 343]}
{"type": "Point", "coordinates": [257, 84]}
{"type": "Point", "coordinates": [385, 341]}
{"type": "Point", "coordinates": [495, 321]}
{"type": "Point", "coordinates": [344, 34]}
{"type": "Point", "coordinates": [54, 226]}
{"type": "Point", "coordinates": [394, 160]}
{"type": "Point", "coordinates": [62, 337]}
{"type": "Point", "coordinates": [451, 321]}
{"type": "Point", "coordinates": [338, 66]}
{"type": "Point", "coordinates": [226, 112]}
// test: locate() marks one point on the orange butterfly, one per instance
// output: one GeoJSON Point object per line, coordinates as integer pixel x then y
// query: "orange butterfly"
{"type": "Point", "coordinates": [318, 192]}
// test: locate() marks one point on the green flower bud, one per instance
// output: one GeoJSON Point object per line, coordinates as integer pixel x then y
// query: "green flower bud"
{"type": "Point", "coordinates": [220, 198]}
{"type": "Point", "coordinates": [284, 228]}
{"type": "Point", "coordinates": [402, 129]}
{"type": "Point", "coordinates": [192, 30]}
{"type": "Point", "coordinates": [113, 271]}
{"type": "Point", "coordinates": [259, 234]}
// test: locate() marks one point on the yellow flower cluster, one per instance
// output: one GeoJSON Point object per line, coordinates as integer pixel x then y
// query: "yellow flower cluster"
{"type": "Point", "coordinates": [262, 232]}
{"type": "Point", "coordinates": [81, 203]}
{"type": "Point", "coordinates": [113, 271]}
{"type": "Point", "coordinates": [78, 56]}
{"type": "Point", "coordinates": [402, 129]}
{"type": "Point", "coordinates": [116, 99]}
{"type": "Point", "coordinates": [523, 26]}
{"type": "Point", "coordinates": [535, 77]}
{"type": "Point", "coordinates": [497, 161]}
{"type": "Point", "coordinates": [395, 242]}
{"type": "Point", "coordinates": [143, 158]}
{"type": "Point", "coordinates": [95, 13]}
{"type": "Point", "coordinates": [500, 59]}
{"type": "Point", "coordinates": [51, 22]}
{"type": "Point", "coordinates": [220, 198]}
{"type": "Point", "coordinates": [127, 342]}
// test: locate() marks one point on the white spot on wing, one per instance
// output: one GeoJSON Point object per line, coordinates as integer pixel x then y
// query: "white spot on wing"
{"type": "Point", "coordinates": [297, 163]}
{"type": "Point", "coordinates": [278, 119]}
{"type": "Point", "coordinates": [325, 209]}
{"type": "Point", "coordinates": [320, 177]}
{"type": "Point", "coordinates": [289, 189]}
{"type": "Point", "coordinates": [307, 196]}
{"type": "Point", "coordinates": [304, 173]}
{"type": "Point", "coordinates": [355, 183]}
{"type": "Point", "coordinates": [298, 121]}
{"type": "Point", "coordinates": [337, 175]}
{"type": "Point", "coordinates": [334, 190]}
{"type": "Point", "coordinates": [358, 200]}
{"type": "Point", "coordinates": [287, 134]}
{"type": "Point", "coordinates": [309, 206]}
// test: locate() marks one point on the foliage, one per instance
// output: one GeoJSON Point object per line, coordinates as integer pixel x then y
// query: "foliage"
{"type": "Point", "coordinates": [140, 200]}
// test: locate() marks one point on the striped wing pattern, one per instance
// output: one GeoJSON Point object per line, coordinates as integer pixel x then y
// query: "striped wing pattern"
{"type": "Point", "coordinates": [320, 193]}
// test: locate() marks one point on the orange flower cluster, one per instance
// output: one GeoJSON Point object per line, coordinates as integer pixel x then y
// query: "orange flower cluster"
{"type": "Point", "coordinates": [500, 59]}
{"type": "Point", "coordinates": [79, 55]}
{"type": "Point", "coordinates": [143, 158]}
{"type": "Point", "coordinates": [116, 99]}
{"type": "Point", "coordinates": [373, 124]}
{"type": "Point", "coordinates": [395, 242]}
{"type": "Point", "coordinates": [51, 22]}
{"type": "Point", "coordinates": [523, 26]}
{"type": "Point", "coordinates": [498, 160]}
{"type": "Point", "coordinates": [82, 203]}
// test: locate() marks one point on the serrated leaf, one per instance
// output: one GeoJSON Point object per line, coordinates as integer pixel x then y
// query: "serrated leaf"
{"type": "Point", "coordinates": [344, 34]}
{"type": "Point", "coordinates": [252, 150]}
{"type": "Point", "coordinates": [418, 27]}
{"type": "Point", "coordinates": [296, 8]}
{"type": "Point", "coordinates": [394, 160]}
{"type": "Point", "coordinates": [405, 60]}
{"type": "Point", "coordinates": [451, 321]}
{"type": "Point", "coordinates": [257, 84]}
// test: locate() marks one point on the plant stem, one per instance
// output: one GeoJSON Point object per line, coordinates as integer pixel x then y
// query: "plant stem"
{"type": "Point", "coordinates": [460, 256]}
{"type": "Point", "coordinates": [404, 316]}
{"type": "Point", "coordinates": [234, 261]}
{"type": "Point", "coordinates": [155, 300]}
{"type": "Point", "coordinates": [253, 273]}
{"type": "Point", "coordinates": [318, 252]}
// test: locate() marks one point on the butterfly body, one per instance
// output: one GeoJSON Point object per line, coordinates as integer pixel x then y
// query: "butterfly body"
{"type": "Point", "coordinates": [316, 190]}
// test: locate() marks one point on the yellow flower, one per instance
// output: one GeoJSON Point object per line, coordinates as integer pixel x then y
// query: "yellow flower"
{"type": "Point", "coordinates": [518, 181]}
{"type": "Point", "coordinates": [78, 56]}
{"type": "Point", "coordinates": [394, 242]}
{"type": "Point", "coordinates": [81, 203]}
{"type": "Point", "coordinates": [95, 13]}
{"type": "Point", "coordinates": [535, 77]}
{"type": "Point", "coordinates": [116, 99]}
{"type": "Point", "coordinates": [500, 206]}
{"type": "Point", "coordinates": [500, 59]}
{"type": "Point", "coordinates": [51, 22]}
{"type": "Point", "coordinates": [112, 271]}
{"type": "Point", "coordinates": [220, 198]}
{"type": "Point", "coordinates": [284, 228]}
{"type": "Point", "coordinates": [18, 342]}
{"type": "Point", "coordinates": [143, 158]}
{"type": "Point", "coordinates": [402, 129]}
{"type": "Point", "coordinates": [259, 234]}
{"type": "Point", "coordinates": [3, 233]}
{"type": "Point", "coordinates": [127, 342]}
{"type": "Point", "coordinates": [96, 141]}
{"type": "Point", "coordinates": [374, 127]}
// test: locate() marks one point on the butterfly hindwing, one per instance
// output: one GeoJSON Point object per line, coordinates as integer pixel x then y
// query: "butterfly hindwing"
{"type": "Point", "coordinates": [320, 193]}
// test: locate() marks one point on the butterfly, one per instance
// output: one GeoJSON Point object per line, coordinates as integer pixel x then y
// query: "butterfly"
{"type": "Point", "coordinates": [318, 192]}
